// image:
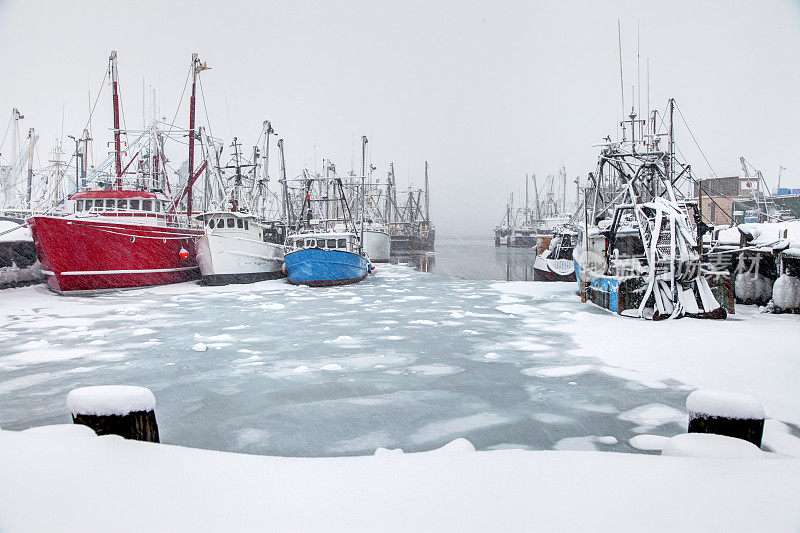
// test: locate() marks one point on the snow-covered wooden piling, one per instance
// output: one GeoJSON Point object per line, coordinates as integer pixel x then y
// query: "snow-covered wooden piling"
{"type": "Point", "coordinates": [122, 410]}
{"type": "Point", "coordinates": [726, 413]}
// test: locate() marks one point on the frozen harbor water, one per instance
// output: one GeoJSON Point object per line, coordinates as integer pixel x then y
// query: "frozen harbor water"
{"type": "Point", "coordinates": [404, 359]}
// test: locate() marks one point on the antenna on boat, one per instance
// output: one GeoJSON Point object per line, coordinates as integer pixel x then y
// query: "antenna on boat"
{"type": "Point", "coordinates": [638, 73]}
{"type": "Point", "coordinates": [621, 83]}
{"type": "Point", "coordinates": [648, 94]}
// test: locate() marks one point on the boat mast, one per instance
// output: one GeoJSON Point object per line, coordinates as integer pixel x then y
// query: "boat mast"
{"type": "Point", "coordinates": [427, 197]}
{"type": "Point", "coordinates": [16, 115]}
{"type": "Point", "coordinates": [285, 203]}
{"type": "Point", "coordinates": [31, 145]}
{"type": "Point", "coordinates": [536, 197]}
{"type": "Point", "coordinates": [190, 175]}
{"type": "Point", "coordinates": [527, 202]}
{"type": "Point", "coordinates": [117, 143]}
{"type": "Point", "coordinates": [364, 142]}
{"type": "Point", "coordinates": [671, 172]}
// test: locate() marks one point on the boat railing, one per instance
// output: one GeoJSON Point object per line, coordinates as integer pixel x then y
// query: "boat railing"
{"type": "Point", "coordinates": [166, 219]}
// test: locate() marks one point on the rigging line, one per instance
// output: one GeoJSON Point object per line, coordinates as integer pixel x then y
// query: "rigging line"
{"type": "Point", "coordinates": [8, 127]}
{"type": "Point", "coordinates": [695, 140]}
{"type": "Point", "coordinates": [205, 107]}
{"type": "Point", "coordinates": [97, 98]}
{"type": "Point", "coordinates": [183, 93]}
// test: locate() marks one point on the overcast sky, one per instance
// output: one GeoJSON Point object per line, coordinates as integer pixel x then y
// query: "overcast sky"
{"type": "Point", "coordinates": [485, 91]}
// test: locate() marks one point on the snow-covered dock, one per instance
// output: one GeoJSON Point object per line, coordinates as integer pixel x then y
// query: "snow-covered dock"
{"type": "Point", "coordinates": [75, 482]}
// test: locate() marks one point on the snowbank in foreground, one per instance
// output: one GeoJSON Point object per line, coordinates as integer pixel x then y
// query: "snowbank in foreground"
{"type": "Point", "coordinates": [52, 484]}
{"type": "Point", "coordinates": [750, 352]}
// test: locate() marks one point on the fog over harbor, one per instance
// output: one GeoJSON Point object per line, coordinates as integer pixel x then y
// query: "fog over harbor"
{"type": "Point", "coordinates": [485, 91]}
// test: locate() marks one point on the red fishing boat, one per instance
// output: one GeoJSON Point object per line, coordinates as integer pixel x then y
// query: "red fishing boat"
{"type": "Point", "coordinates": [127, 232]}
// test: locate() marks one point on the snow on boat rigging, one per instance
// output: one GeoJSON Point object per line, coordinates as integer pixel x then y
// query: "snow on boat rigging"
{"type": "Point", "coordinates": [638, 251]}
{"type": "Point", "coordinates": [127, 232]}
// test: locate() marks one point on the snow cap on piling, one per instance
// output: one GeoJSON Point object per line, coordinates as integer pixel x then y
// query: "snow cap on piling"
{"type": "Point", "coordinates": [106, 400]}
{"type": "Point", "coordinates": [724, 404]}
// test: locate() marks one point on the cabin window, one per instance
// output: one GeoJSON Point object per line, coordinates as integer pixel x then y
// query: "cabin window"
{"type": "Point", "coordinates": [342, 244]}
{"type": "Point", "coordinates": [134, 204]}
{"type": "Point", "coordinates": [157, 206]}
{"type": "Point", "coordinates": [298, 243]}
{"type": "Point", "coordinates": [311, 243]}
{"type": "Point", "coordinates": [331, 244]}
{"type": "Point", "coordinates": [210, 222]}
{"type": "Point", "coordinates": [122, 204]}
{"type": "Point", "coordinates": [109, 203]}
{"type": "Point", "coordinates": [231, 223]}
{"type": "Point", "coordinates": [79, 206]}
{"type": "Point", "coordinates": [147, 205]}
{"type": "Point", "coordinates": [246, 225]}
{"type": "Point", "coordinates": [240, 223]}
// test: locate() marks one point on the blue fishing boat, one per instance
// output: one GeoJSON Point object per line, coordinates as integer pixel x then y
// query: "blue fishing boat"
{"type": "Point", "coordinates": [325, 259]}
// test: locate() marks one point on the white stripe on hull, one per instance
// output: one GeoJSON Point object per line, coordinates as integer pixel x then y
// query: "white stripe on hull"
{"type": "Point", "coordinates": [103, 272]}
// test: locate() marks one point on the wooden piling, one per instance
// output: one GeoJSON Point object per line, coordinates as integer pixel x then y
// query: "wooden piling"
{"type": "Point", "coordinates": [725, 413]}
{"type": "Point", "coordinates": [121, 410]}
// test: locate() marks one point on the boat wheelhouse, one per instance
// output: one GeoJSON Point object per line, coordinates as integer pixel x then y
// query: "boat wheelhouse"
{"type": "Point", "coordinates": [115, 239]}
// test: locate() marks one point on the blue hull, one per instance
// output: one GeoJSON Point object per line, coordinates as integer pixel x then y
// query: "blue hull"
{"type": "Point", "coordinates": [316, 267]}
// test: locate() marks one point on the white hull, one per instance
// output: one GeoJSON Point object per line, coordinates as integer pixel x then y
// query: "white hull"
{"type": "Point", "coordinates": [230, 255]}
{"type": "Point", "coordinates": [377, 244]}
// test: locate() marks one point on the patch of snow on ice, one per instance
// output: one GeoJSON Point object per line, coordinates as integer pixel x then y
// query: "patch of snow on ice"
{"type": "Point", "coordinates": [653, 414]}
{"type": "Point", "coordinates": [648, 442]}
{"type": "Point", "coordinates": [558, 371]}
{"type": "Point", "coordinates": [436, 369]}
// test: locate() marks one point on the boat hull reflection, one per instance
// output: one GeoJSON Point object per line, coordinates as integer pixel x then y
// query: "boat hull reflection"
{"type": "Point", "coordinates": [422, 261]}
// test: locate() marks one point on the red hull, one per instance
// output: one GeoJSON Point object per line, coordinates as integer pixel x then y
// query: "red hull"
{"type": "Point", "coordinates": [93, 254]}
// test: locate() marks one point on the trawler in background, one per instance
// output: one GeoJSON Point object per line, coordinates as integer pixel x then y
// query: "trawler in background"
{"type": "Point", "coordinates": [409, 213]}
{"type": "Point", "coordinates": [122, 229]}
{"type": "Point", "coordinates": [25, 189]}
{"type": "Point", "coordinates": [532, 226]}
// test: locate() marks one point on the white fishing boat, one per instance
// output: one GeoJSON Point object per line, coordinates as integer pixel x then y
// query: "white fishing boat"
{"type": "Point", "coordinates": [377, 243]}
{"type": "Point", "coordinates": [241, 244]}
{"type": "Point", "coordinates": [236, 249]}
